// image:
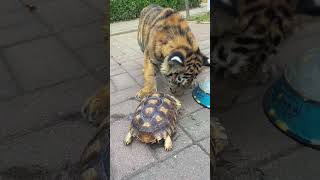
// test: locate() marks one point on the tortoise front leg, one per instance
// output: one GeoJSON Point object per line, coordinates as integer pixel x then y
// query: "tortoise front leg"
{"type": "Point", "coordinates": [167, 143]}
{"type": "Point", "coordinates": [128, 138]}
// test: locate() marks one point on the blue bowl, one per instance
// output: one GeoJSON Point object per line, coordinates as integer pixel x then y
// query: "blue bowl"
{"type": "Point", "coordinates": [292, 103]}
{"type": "Point", "coordinates": [201, 93]}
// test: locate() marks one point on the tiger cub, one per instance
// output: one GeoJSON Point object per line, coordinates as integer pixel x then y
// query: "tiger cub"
{"type": "Point", "coordinates": [263, 25]}
{"type": "Point", "coordinates": [169, 48]}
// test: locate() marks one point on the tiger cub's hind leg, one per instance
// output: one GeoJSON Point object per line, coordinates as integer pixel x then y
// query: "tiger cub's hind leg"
{"type": "Point", "coordinates": [149, 84]}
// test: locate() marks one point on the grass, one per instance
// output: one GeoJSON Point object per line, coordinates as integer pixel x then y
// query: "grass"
{"type": "Point", "coordinates": [204, 17]}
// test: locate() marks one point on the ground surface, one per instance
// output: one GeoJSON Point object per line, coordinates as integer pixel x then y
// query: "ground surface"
{"type": "Point", "coordinates": [189, 158]}
{"type": "Point", "coordinates": [51, 60]}
{"type": "Point", "coordinates": [264, 146]}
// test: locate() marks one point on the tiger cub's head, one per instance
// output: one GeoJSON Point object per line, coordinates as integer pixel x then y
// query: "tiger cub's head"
{"type": "Point", "coordinates": [181, 68]}
{"type": "Point", "coordinates": [272, 19]}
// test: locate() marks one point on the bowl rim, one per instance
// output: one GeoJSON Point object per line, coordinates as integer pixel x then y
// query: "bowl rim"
{"type": "Point", "coordinates": [285, 76]}
{"type": "Point", "coordinates": [305, 98]}
{"type": "Point", "coordinates": [199, 89]}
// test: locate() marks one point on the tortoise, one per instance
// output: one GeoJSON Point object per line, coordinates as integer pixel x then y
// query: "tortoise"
{"type": "Point", "coordinates": [154, 120]}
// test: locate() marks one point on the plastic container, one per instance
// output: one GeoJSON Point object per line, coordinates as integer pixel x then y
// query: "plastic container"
{"type": "Point", "coordinates": [293, 102]}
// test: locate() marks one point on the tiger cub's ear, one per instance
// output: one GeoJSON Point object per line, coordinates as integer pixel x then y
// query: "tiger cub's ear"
{"type": "Point", "coordinates": [205, 61]}
{"type": "Point", "coordinates": [176, 58]}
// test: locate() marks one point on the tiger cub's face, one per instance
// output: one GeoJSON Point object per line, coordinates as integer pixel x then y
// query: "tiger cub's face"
{"type": "Point", "coordinates": [181, 69]}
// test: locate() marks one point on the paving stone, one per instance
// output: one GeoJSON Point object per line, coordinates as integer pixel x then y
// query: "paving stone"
{"type": "Point", "coordinates": [128, 50]}
{"type": "Point", "coordinates": [14, 18]}
{"type": "Point", "coordinates": [126, 159]}
{"type": "Point", "coordinates": [252, 93]}
{"type": "Point", "coordinates": [124, 26]}
{"type": "Point", "coordinates": [123, 95]}
{"type": "Point", "coordinates": [80, 14]}
{"type": "Point", "coordinates": [138, 76]}
{"type": "Point", "coordinates": [9, 36]}
{"type": "Point", "coordinates": [205, 144]}
{"type": "Point", "coordinates": [115, 52]}
{"type": "Point", "coordinates": [8, 87]}
{"type": "Point", "coordinates": [84, 36]}
{"type": "Point", "coordinates": [191, 163]}
{"type": "Point", "coordinates": [123, 81]}
{"type": "Point", "coordinates": [197, 125]}
{"type": "Point", "coordinates": [112, 87]}
{"type": "Point", "coordinates": [9, 6]}
{"type": "Point", "coordinates": [299, 165]}
{"type": "Point", "coordinates": [206, 51]}
{"type": "Point", "coordinates": [127, 39]}
{"type": "Point", "coordinates": [123, 109]}
{"type": "Point", "coordinates": [19, 26]}
{"type": "Point", "coordinates": [225, 93]}
{"type": "Point", "coordinates": [131, 66]}
{"type": "Point", "coordinates": [201, 31]}
{"type": "Point", "coordinates": [94, 56]}
{"type": "Point", "coordinates": [204, 44]}
{"type": "Point", "coordinates": [38, 109]}
{"type": "Point", "coordinates": [51, 147]}
{"type": "Point", "coordinates": [53, 63]}
{"type": "Point", "coordinates": [189, 105]}
{"type": "Point", "coordinates": [102, 73]}
{"type": "Point", "coordinates": [113, 62]}
{"type": "Point", "coordinates": [252, 132]}
{"type": "Point", "coordinates": [140, 80]}
{"type": "Point", "coordinates": [180, 141]}
{"type": "Point", "coordinates": [139, 61]}
{"type": "Point", "coordinates": [116, 70]}
{"type": "Point", "coordinates": [136, 72]}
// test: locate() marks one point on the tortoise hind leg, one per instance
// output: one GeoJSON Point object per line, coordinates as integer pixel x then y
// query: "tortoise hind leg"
{"type": "Point", "coordinates": [128, 139]}
{"type": "Point", "coordinates": [167, 143]}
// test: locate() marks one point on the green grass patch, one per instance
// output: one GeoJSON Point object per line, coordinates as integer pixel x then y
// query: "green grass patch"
{"type": "Point", "coordinates": [204, 17]}
{"type": "Point", "coordinates": [122, 10]}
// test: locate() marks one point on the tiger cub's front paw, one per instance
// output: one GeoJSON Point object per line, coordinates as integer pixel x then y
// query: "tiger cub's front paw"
{"type": "Point", "coordinates": [95, 109]}
{"type": "Point", "coordinates": [143, 93]}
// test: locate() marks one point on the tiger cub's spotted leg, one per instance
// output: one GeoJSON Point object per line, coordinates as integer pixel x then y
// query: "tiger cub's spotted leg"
{"type": "Point", "coordinates": [149, 85]}
{"type": "Point", "coordinates": [95, 109]}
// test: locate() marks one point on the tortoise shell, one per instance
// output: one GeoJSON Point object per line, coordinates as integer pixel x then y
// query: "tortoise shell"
{"type": "Point", "coordinates": [155, 117]}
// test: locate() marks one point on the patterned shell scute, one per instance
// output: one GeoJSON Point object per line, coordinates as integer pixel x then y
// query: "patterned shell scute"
{"type": "Point", "coordinates": [155, 114]}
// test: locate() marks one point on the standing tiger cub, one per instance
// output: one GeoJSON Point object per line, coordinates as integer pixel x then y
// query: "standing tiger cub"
{"type": "Point", "coordinates": [169, 48]}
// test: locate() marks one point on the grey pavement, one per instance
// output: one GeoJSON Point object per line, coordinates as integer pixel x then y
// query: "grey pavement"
{"type": "Point", "coordinates": [50, 62]}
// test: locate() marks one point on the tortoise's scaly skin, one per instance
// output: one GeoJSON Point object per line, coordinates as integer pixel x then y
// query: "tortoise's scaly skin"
{"type": "Point", "coordinates": [154, 119]}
